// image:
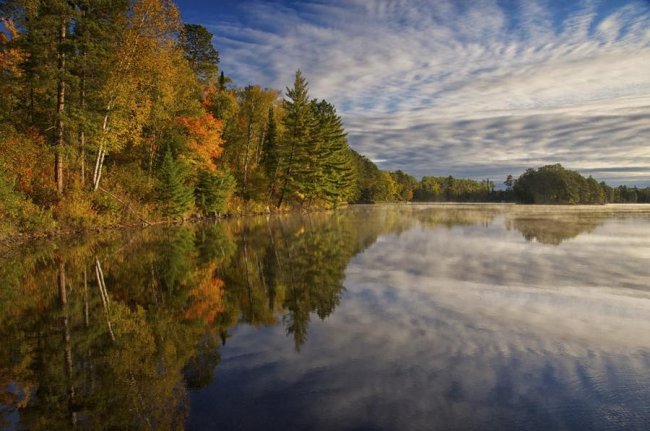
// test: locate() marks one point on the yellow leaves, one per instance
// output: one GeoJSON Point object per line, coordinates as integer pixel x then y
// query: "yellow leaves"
{"type": "Point", "coordinates": [221, 103]}
{"type": "Point", "coordinates": [150, 80]}
{"type": "Point", "coordinates": [204, 139]}
{"type": "Point", "coordinates": [156, 19]}
{"type": "Point", "coordinates": [10, 58]}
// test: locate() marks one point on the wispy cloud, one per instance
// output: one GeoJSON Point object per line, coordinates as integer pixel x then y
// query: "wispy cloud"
{"type": "Point", "coordinates": [469, 88]}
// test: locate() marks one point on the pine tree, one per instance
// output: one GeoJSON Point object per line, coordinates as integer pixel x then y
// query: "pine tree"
{"type": "Point", "coordinates": [334, 156]}
{"type": "Point", "coordinates": [297, 147]}
{"type": "Point", "coordinates": [196, 41]}
{"type": "Point", "coordinates": [47, 25]}
{"type": "Point", "coordinates": [175, 197]}
{"type": "Point", "coordinates": [212, 191]}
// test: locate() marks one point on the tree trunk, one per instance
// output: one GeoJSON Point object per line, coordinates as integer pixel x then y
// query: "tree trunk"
{"type": "Point", "coordinates": [287, 173]}
{"type": "Point", "coordinates": [82, 132]}
{"type": "Point", "coordinates": [86, 305]}
{"type": "Point", "coordinates": [60, 107]}
{"type": "Point", "coordinates": [249, 132]}
{"type": "Point", "coordinates": [104, 295]}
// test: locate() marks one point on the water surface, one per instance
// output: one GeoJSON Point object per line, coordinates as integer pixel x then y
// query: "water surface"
{"type": "Point", "coordinates": [397, 317]}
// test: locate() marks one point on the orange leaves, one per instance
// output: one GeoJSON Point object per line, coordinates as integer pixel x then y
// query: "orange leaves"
{"type": "Point", "coordinates": [10, 58]}
{"type": "Point", "coordinates": [207, 297]}
{"type": "Point", "coordinates": [204, 139]}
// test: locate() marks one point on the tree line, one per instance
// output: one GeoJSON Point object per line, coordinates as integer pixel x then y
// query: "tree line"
{"type": "Point", "coordinates": [554, 184]}
{"type": "Point", "coordinates": [115, 111]}
{"type": "Point", "coordinates": [550, 184]}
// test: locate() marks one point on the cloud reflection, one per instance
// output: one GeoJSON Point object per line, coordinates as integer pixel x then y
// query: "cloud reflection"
{"type": "Point", "coordinates": [466, 326]}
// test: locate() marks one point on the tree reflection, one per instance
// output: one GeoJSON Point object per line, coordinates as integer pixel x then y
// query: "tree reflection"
{"type": "Point", "coordinates": [553, 230]}
{"type": "Point", "coordinates": [111, 351]}
{"type": "Point", "coordinates": [285, 270]}
{"type": "Point", "coordinates": [110, 332]}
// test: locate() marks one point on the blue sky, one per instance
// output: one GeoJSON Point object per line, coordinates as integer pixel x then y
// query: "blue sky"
{"type": "Point", "coordinates": [475, 89]}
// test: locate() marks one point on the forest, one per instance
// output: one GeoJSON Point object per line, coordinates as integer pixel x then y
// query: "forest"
{"type": "Point", "coordinates": [117, 112]}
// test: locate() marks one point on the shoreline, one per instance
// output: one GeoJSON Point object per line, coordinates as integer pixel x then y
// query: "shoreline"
{"type": "Point", "coordinates": [18, 239]}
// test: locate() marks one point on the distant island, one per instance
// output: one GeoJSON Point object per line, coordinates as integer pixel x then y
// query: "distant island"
{"type": "Point", "coordinates": [121, 114]}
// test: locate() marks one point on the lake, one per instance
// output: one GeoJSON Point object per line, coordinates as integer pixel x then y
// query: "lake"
{"type": "Point", "coordinates": [395, 317]}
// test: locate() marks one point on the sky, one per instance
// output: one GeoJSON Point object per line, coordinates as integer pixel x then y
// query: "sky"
{"type": "Point", "coordinates": [469, 88]}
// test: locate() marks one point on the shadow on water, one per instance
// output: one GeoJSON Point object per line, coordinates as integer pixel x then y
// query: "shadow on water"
{"type": "Point", "coordinates": [113, 331]}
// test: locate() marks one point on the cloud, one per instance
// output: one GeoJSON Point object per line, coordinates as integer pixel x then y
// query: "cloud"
{"type": "Point", "coordinates": [415, 80]}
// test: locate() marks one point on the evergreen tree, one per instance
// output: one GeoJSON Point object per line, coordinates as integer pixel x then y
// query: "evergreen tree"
{"type": "Point", "coordinates": [212, 191]}
{"type": "Point", "coordinates": [297, 146]}
{"type": "Point", "coordinates": [175, 197]}
{"type": "Point", "coordinates": [196, 42]}
{"type": "Point", "coordinates": [333, 157]}
{"type": "Point", "coordinates": [47, 46]}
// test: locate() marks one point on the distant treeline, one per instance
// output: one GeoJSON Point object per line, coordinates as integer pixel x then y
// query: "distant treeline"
{"type": "Point", "coordinates": [551, 184]}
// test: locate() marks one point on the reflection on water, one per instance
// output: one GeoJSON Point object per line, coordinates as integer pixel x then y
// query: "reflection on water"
{"type": "Point", "coordinates": [394, 317]}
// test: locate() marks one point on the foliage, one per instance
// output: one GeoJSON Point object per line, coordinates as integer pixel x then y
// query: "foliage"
{"type": "Point", "coordinates": [406, 185]}
{"type": "Point", "coordinates": [372, 184]}
{"type": "Point", "coordinates": [204, 142]}
{"type": "Point", "coordinates": [196, 42]}
{"type": "Point", "coordinates": [18, 213]}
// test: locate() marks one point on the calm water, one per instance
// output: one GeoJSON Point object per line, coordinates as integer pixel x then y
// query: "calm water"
{"type": "Point", "coordinates": [399, 317]}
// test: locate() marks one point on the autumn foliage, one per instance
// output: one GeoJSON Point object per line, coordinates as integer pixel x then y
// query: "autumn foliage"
{"type": "Point", "coordinates": [204, 140]}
